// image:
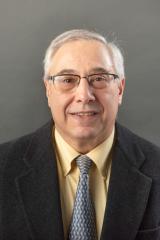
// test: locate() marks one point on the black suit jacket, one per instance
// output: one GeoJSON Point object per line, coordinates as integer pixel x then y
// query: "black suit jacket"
{"type": "Point", "coordinates": [29, 190]}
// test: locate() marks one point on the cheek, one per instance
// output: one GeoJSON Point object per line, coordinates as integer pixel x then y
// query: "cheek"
{"type": "Point", "coordinates": [58, 105]}
{"type": "Point", "coordinates": [110, 102]}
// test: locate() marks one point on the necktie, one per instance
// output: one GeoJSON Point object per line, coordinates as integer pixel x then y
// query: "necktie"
{"type": "Point", "coordinates": [83, 226]}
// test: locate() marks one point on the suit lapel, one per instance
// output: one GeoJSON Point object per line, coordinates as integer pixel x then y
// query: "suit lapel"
{"type": "Point", "coordinates": [38, 189]}
{"type": "Point", "coordinates": [127, 194]}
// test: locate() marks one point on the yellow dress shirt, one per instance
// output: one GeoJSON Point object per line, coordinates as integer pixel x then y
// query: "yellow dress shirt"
{"type": "Point", "coordinates": [69, 175]}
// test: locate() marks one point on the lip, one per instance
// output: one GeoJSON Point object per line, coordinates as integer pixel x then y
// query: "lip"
{"type": "Point", "coordinates": [85, 118]}
{"type": "Point", "coordinates": [84, 113]}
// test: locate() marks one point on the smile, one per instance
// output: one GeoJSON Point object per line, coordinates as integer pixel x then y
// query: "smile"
{"type": "Point", "coordinates": [84, 113]}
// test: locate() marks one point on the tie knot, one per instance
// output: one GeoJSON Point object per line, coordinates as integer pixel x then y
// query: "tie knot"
{"type": "Point", "coordinates": [84, 163]}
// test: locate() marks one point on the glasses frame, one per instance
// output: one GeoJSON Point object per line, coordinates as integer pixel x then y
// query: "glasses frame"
{"type": "Point", "coordinates": [53, 77]}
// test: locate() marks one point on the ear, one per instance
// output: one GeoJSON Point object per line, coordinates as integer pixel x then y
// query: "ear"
{"type": "Point", "coordinates": [48, 88]}
{"type": "Point", "coordinates": [121, 87]}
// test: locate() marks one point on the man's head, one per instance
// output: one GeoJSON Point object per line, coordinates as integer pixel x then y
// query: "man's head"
{"type": "Point", "coordinates": [84, 79]}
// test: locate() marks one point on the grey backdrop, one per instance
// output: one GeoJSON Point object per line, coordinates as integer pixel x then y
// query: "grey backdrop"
{"type": "Point", "coordinates": [28, 26]}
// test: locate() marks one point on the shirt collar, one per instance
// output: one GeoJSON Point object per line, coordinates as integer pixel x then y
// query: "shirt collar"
{"type": "Point", "coordinates": [99, 155]}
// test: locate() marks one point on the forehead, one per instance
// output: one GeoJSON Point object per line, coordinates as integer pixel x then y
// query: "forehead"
{"type": "Point", "coordinates": [81, 55]}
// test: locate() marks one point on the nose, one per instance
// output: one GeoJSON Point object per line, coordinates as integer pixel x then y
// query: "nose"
{"type": "Point", "coordinates": [84, 92]}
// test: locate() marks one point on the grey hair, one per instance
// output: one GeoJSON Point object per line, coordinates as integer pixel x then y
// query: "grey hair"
{"type": "Point", "coordinates": [82, 34]}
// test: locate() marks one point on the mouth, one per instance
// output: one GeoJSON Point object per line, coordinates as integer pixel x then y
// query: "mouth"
{"type": "Point", "coordinates": [90, 113]}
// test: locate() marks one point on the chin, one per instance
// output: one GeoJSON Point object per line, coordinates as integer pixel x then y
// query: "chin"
{"type": "Point", "coordinates": [84, 133]}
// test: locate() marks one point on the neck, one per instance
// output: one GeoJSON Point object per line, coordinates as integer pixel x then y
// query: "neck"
{"type": "Point", "coordinates": [82, 145]}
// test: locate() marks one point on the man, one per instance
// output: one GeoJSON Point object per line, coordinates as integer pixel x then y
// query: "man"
{"type": "Point", "coordinates": [45, 193]}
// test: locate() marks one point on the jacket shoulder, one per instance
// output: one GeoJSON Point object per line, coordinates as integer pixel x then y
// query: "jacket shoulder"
{"type": "Point", "coordinates": [137, 147]}
{"type": "Point", "coordinates": [14, 147]}
{"type": "Point", "coordinates": [133, 139]}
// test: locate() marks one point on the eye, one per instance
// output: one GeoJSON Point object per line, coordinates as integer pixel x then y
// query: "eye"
{"type": "Point", "coordinates": [68, 79]}
{"type": "Point", "coordinates": [97, 78]}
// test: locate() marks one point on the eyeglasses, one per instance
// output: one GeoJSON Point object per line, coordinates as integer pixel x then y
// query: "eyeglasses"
{"type": "Point", "coordinates": [68, 82]}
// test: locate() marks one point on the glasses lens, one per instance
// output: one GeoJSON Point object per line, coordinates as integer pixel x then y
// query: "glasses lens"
{"type": "Point", "coordinates": [65, 82]}
{"type": "Point", "coordinates": [100, 80]}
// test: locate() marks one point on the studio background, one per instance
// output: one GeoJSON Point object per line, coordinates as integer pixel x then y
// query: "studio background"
{"type": "Point", "coordinates": [26, 30]}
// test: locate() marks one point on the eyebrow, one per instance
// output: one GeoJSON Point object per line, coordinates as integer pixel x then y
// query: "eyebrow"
{"type": "Point", "coordinates": [92, 71]}
{"type": "Point", "coordinates": [67, 71]}
{"type": "Point", "coordinates": [99, 70]}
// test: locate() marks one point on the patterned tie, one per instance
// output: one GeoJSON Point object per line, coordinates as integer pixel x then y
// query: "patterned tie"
{"type": "Point", "coordinates": [83, 226]}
